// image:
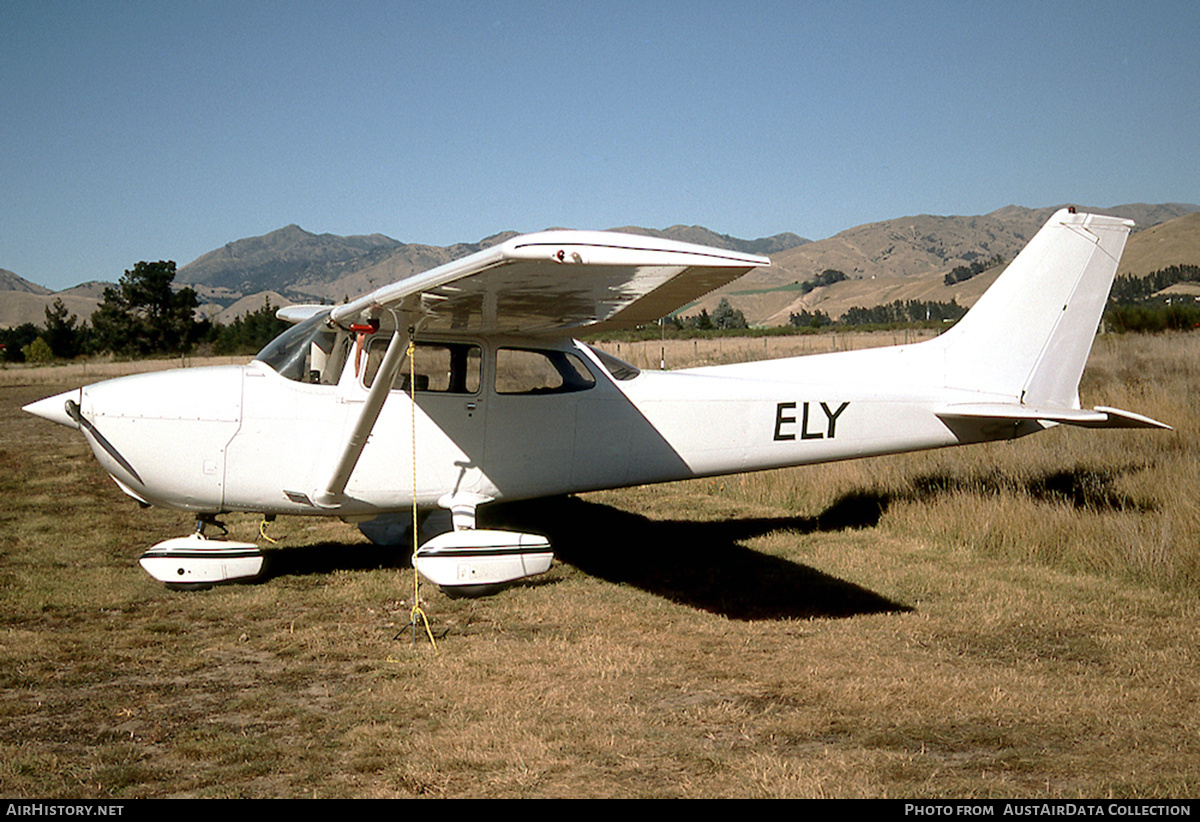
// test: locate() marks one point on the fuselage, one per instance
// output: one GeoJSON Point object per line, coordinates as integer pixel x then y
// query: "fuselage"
{"type": "Point", "coordinates": [494, 418]}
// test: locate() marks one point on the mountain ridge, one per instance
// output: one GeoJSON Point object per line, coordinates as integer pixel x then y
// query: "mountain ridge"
{"type": "Point", "coordinates": [902, 256]}
{"type": "Point", "coordinates": [892, 253]}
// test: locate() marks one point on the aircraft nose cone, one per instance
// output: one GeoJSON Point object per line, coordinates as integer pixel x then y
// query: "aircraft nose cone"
{"type": "Point", "coordinates": [55, 408]}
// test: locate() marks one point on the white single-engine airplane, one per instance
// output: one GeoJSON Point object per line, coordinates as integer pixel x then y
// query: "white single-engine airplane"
{"type": "Point", "coordinates": [324, 421]}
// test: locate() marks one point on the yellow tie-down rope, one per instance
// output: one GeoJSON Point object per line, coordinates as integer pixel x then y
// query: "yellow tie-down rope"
{"type": "Point", "coordinates": [412, 394]}
{"type": "Point", "coordinates": [262, 530]}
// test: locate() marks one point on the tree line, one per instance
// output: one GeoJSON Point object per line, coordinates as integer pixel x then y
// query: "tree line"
{"type": "Point", "coordinates": [143, 315]}
{"type": "Point", "coordinates": [1132, 305]}
{"type": "Point", "coordinates": [900, 312]}
{"type": "Point", "coordinates": [1128, 288]}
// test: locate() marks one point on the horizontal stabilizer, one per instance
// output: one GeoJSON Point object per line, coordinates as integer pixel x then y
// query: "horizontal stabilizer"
{"type": "Point", "coordinates": [1098, 417]}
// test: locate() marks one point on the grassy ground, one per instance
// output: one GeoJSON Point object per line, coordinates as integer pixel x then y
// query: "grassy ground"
{"type": "Point", "coordinates": [1004, 620]}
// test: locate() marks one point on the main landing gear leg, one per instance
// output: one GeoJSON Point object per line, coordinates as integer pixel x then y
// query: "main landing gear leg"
{"type": "Point", "coordinates": [469, 561]}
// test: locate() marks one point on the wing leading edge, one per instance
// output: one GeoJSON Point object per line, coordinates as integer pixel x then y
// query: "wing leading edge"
{"type": "Point", "coordinates": [556, 281]}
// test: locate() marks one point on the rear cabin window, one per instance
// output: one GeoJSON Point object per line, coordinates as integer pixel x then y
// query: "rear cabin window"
{"type": "Point", "coordinates": [448, 368]}
{"type": "Point", "coordinates": [527, 371]}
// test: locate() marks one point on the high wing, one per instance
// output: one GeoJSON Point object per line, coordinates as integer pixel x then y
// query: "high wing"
{"type": "Point", "coordinates": [537, 284]}
{"type": "Point", "coordinates": [552, 282]}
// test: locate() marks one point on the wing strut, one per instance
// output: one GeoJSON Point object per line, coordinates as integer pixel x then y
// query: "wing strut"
{"type": "Point", "coordinates": [333, 495]}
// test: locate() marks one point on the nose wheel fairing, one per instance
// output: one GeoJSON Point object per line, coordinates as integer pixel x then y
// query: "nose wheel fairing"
{"type": "Point", "coordinates": [196, 563]}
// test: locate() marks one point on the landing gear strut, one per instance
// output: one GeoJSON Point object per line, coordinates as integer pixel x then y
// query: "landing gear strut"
{"type": "Point", "coordinates": [205, 520]}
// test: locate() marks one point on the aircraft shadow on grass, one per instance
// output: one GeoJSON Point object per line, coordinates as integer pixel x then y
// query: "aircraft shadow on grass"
{"type": "Point", "coordinates": [1081, 487]}
{"type": "Point", "coordinates": [703, 565]}
{"type": "Point", "coordinates": [699, 564]}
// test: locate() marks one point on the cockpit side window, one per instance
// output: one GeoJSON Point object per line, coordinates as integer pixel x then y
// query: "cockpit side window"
{"type": "Point", "coordinates": [448, 368]}
{"type": "Point", "coordinates": [310, 352]}
{"type": "Point", "coordinates": [529, 371]}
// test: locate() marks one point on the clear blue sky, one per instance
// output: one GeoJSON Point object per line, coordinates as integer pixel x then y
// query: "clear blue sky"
{"type": "Point", "coordinates": [162, 130]}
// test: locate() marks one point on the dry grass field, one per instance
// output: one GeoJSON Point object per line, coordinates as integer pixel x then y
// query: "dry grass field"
{"type": "Point", "coordinates": [1008, 620]}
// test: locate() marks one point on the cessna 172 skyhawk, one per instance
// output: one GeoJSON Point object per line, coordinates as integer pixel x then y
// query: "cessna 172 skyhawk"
{"type": "Point", "coordinates": [509, 406]}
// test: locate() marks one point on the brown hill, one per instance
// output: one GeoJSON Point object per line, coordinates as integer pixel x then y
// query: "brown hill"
{"type": "Point", "coordinates": [309, 267]}
{"type": "Point", "coordinates": [900, 259]}
{"type": "Point", "coordinates": [11, 282]}
{"type": "Point", "coordinates": [281, 259]}
{"type": "Point", "coordinates": [1176, 242]}
{"type": "Point", "coordinates": [699, 235]}
{"type": "Point", "coordinates": [399, 263]}
{"type": "Point", "coordinates": [905, 258]}
{"type": "Point", "coordinates": [20, 307]}
{"type": "Point", "coordinates": [226, 314]}
{"type": "Point", "coordinates": [93, 290]}
{"type": "Point", "coordinates": [24, 302]}
{"type": "Point", "coordinates": [312, 267]}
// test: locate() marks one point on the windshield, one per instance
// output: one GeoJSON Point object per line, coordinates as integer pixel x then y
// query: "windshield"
{"type": "Point", "coordinates": [303, 353]}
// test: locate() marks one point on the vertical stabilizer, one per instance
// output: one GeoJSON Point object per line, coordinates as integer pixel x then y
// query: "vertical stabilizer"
{"type": "Point", "coordinates": [1029, 335]}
